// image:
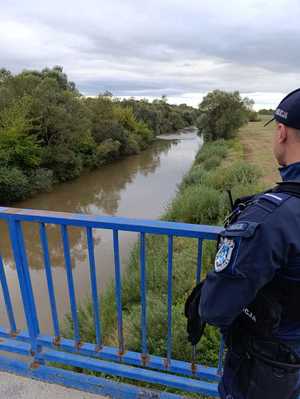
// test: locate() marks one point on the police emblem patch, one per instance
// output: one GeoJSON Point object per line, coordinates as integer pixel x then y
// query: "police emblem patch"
{"type": "Point", "coordinates": [224, 254]}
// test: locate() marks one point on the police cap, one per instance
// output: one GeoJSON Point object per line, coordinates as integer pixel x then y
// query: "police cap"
{"type": "Point", "coordinates": [288, 111]}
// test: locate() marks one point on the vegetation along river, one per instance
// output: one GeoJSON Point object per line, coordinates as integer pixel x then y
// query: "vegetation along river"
{"type": "Point", "coordinates": [139, 186]}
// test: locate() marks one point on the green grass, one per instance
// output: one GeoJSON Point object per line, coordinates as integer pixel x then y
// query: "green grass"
{"type": "Point", "coordinates": [257, 142]}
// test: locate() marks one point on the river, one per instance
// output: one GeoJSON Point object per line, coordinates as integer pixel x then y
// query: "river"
{"type": "Point", "coordinates": [139, 186]}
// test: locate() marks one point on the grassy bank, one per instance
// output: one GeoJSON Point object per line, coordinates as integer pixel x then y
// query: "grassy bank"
{"type": "Point", "coordinates": [201, 198]}
{"type": "Point", "coordinates": [257, 142]}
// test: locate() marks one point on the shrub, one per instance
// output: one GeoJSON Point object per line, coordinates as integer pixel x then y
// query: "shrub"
{"type": "Point", "coordinates": [157, 328]}
{"type": "Point", "coordinates": [221, 115]}
{"type": "Point", "coordinates": [217, 148]}
{"type": "Point", "coordinates": [41, 180]}
{"type": "Point", "coordinates": [253, 116]}
{"type": "Point", "coordinates": [239, 173]}
{"type": "Point", "coordinates": [107, 150]}
{"type": "Point", "coordinates": [65, 163]}
{"type": "Point", "coordinates": [14, 185]}
{"type": "Point", "coordinates": [197, 175]}
{"type": "Point", "coordinates": [132, 146]}
{"type": "Point", "coordinates": [242, 190]}
{"type": "Point", "coordinates": [212, 162]}
{"type": "Point", "coordinates": [195, 204]}
{"type": "Point", "coordinates": [184, 266]}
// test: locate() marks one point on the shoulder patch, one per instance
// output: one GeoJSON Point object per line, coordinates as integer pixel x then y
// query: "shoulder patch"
{"type": "Point", "coordinates": [224, 254]}
{"type": "Point", "coordinates": [240, 229]}
{"type": "Point", "coordinates": [276, 198]}
{"type": "Point", "coordinates": [242, 226]}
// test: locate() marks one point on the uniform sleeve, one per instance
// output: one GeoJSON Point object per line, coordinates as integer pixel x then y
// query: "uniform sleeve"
{"type": "Point", "coordinates": [248, 256]}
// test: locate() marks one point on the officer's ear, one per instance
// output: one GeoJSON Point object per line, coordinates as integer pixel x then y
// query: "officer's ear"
{"type": "Point", "coordinates": [282, 133]}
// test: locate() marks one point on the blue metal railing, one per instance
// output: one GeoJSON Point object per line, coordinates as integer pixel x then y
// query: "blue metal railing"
{"type": "Point", "coordinates": [118, 362]}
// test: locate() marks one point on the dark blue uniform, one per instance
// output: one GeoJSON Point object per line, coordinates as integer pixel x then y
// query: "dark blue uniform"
{"type": "Point", "coordinates": [262, 243]}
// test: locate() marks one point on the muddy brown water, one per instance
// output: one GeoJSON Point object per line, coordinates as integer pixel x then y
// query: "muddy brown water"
{"type": "Point", "coordinates": [139, 186]}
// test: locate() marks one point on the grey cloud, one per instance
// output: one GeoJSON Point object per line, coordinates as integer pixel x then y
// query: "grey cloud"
{"type": "Point", "coordinates": [154, 47]}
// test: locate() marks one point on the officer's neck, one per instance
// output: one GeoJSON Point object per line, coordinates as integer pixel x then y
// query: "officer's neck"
{"type": "Point", "coordinates": [292, 157]}
{"type": "Point", "coordinates": [290, 171]}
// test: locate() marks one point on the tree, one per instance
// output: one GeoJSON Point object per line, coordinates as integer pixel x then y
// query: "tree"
{"type": "Point", "coordinates": [49, 132]}
{"type": "Point", "coordinates": [4, 75]}
{"type": "Point", "coordinates": [221, 114]}
{"type": "Point", "coordinates": [265, 111]}
{"type": "Point", "coordinates": [17, 146]}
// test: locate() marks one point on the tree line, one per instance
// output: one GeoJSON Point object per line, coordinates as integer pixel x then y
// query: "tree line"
{"type": "Point", "coordinates": [50, 132]}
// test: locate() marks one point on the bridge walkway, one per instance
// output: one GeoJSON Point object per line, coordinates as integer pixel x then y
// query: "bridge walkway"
{"type": "Point", "coordinates": [17, 387]}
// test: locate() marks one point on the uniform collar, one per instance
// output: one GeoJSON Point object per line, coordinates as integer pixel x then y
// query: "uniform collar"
{"type": "Point", "coordinates": [290, 172]}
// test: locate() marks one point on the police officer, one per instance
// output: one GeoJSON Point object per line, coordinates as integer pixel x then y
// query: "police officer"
{"type": "Point", "coordinates": [253, 294]}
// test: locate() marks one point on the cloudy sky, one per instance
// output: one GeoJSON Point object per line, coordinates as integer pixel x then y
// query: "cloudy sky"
{"type": "Point", "coordinates": [146, 48]}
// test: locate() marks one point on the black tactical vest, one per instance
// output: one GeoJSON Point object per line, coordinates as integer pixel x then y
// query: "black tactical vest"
{"type": "Point", "coordinates": [279, 299]}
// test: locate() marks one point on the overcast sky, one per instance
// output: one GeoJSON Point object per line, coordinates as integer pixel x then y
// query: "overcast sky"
{"type": "Point", "coordinates": [180, 48]}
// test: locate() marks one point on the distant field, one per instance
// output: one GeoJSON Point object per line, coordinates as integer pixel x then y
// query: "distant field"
{"type": "Point", "coordinates": [257, 142]}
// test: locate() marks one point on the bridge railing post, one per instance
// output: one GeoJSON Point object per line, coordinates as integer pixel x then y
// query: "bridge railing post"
{"type": "Point", "coordinates": [118, 361]}
{"type": "Point", "coordinates": [19, 252]}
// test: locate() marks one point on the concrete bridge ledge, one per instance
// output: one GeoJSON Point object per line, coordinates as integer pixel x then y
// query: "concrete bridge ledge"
{"type": "Point", "coordinates": [19, 381]}
{"type": "Point", "coordinates": [17, 387]}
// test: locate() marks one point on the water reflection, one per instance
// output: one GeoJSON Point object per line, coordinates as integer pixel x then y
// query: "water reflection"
{"type": "Point", "coordinates": [100, 189]}
{"type": "Point", "coordinates": [139, 186]}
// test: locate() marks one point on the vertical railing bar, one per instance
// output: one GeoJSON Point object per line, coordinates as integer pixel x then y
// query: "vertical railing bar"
{"type": "Point", "coordinates": [7, 299]}
{"type": "Point", "coordinates": [221, 354]}
{"type": "Point", "coordinates": [94, 289]}
{"type": "Point", "coordinates": [143, 297]}
{"type": "Point", "coordinates": [118, 289]}
{"type": "Point", "coordinates": [66, 246]}
{"type": "Point", "coordinates": [48, 271]}
{"type": "Point", "coordinates": [199, 261]}
{"type": "Point", "coordinates": [28, 279]}
{"type": "Point", "coordinates": [16, 238]}
{"type": "Point", "coordinates": [170, 277]}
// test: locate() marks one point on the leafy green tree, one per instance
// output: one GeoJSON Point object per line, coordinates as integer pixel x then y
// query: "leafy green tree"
{"type": "Point", "coordinates": [265, 111]}
{"type": "Point", "coordinates": [49, 132]}
{"type": "Point", "coordinates": [4, 75]}
{"type": "Point", "coordinates": [221, 115]}
{"type": "Point", "coordinates": [17, 146]}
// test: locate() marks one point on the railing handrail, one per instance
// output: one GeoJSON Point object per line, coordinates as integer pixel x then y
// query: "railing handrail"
{"type": "Point", "coordinates": [73, 352]}
{"type": "Point", "coordinates": [113, 223]}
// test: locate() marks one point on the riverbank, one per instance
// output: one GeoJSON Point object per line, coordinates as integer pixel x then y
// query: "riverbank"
{"type": "Point", "coordinates": [50, 133]}
{"type": "Point", "coordinates": [201, 198]}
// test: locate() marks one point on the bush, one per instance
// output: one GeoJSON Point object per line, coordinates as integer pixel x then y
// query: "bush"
{"type": "Point", "coordinates": [132, 146]}
{"type": "Point", "coordinates": [212, 162]}
{"type": "Point", "coordinates": [217, 148]}
{"type": "Point", "coordinates": [221, 115]}
{"type": "Point", "coordinates": [253, 116]}
{"type": "Point", "coordinates": [107, 151]}
{"type": "Point", "coordinates": [157, 328]}
{"type": "Point", "coordinates": [41, 180]}
{"type": "Point", "coordinates": [14, 185]}
{"type": "Point", "coordinates": [239, 173]}
{"type": "Point", "coordinates": [65, 163]}
{"type": "Point", "coordinates": [195, 204]}
{"type": "Point", "coordinates": [197, 175]}
{"type": "Point", "coordinates": [242, 190]}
